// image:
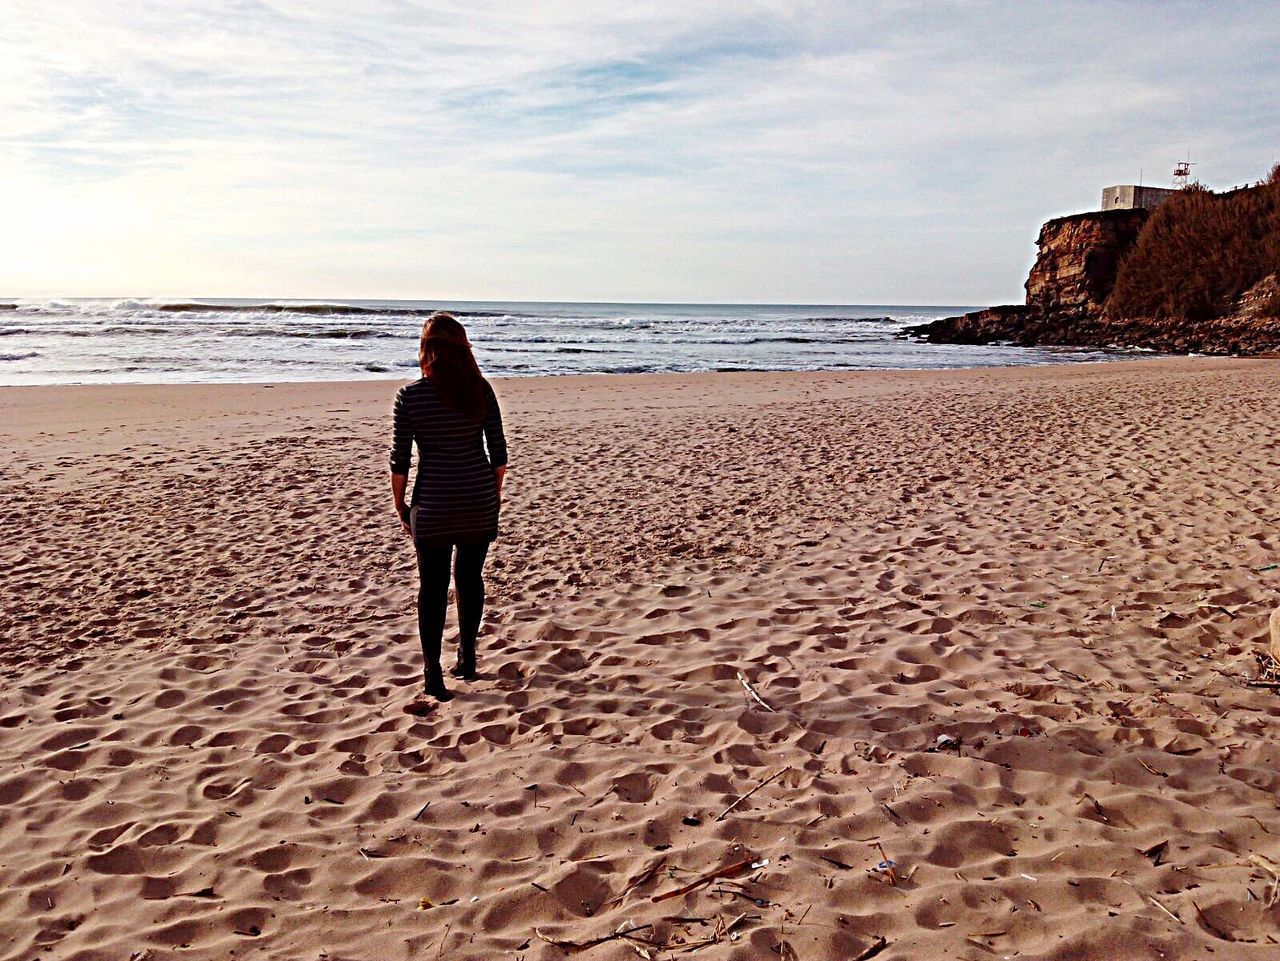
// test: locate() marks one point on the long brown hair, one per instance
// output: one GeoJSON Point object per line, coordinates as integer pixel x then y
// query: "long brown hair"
{"type": "Point", "coordinates": [444, 355]}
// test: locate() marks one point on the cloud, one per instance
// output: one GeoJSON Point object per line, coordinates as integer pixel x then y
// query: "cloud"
{"type": "Point", "coordinates": [746, 151]}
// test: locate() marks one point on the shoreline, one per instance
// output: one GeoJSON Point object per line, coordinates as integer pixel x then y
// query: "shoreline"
{"type": "Point", "coordinates": [39, 408]}
{"type": "Point", "coordinates": [1142, 357]}
{"type": "Point", "coordinates": [1117, 355]}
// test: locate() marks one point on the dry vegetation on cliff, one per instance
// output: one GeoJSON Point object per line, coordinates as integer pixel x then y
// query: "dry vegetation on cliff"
{"type": "Point", "coordinates": [1199, 253]}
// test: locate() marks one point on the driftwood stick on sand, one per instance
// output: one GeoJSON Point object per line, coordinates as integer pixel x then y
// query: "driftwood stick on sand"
{"type": "Point", "coordinates": [752, 691]}
{"type": "Point", "coordinates": [742, 798]}
{"type": "Point", "coordinates": [581, 945]}
{"type": "Point", "coordinates": [723, 872]}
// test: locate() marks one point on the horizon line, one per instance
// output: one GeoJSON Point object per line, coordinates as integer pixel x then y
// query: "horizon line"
{"type": "Point", "coordinates": [437, 300]}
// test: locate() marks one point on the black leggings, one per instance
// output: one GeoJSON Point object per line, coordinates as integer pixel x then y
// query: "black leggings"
{"type": "Point", "coordinates": [433, 596]}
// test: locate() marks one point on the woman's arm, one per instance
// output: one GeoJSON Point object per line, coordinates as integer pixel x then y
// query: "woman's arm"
{"type": "Point", "coordinates": [398, 484]}
{"type": "Point", "coordinates": [496, 441]}
{"type": "Point", "coordinates": [401, 448]}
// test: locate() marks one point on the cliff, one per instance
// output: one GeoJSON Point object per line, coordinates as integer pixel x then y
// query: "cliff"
{"type": "Point", "coordinates": [1196, 275]}
{"type": "Point", "coordinates": [1078, 259]}
{"type": "Point", "coordinates": [1076, 266]}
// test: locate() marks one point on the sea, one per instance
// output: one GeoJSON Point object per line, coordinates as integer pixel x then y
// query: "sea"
{"type": "Point", "coordinates": [147, 341]}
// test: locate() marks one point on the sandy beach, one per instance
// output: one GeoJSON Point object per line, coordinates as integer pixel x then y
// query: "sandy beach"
{"type": "Point", "coordinates": [988, 626]}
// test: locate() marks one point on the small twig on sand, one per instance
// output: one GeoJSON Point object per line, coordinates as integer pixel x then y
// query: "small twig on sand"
{"type": "Point", "coordinates": [768, 780]}
{"type": "Point", "coordinates": [638, 880]}
{"type": "Point", "coordinates": [878, 945]}
{"type": "Point", "coordinates": [723, 872]}
{"type": "Point", "coordinates": [1265, 830]}
{"type": "Point", "coordinates": [1097, 808]}
{"type": "Point", "coordinates": [1150, 898]}
{"type": "Point", "coordinates": [888, 865]}
{"type": "Point", "coordinates": [580, 945]}
{"type": "Point", "coordinates": [422, 810]}
{"type": "Point", "coordinates": [742, 678]}
{"type": "Point", "coordinates": [721, 932]}
{"type": "Point", "coordinates": [1210, 926]}
{"type": "Point", "coordinates": [1255, 683]}
{"type": "Point", "coordinates": [1266, 864]}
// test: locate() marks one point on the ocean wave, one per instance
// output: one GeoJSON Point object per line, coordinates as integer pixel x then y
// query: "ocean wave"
{"type": "Point", "coordinates": [627, 369]}
{"type": "Point", "coordinates": [845, 320]}
{"type": "Point", "coordinates": [331, 333]}
{"type": "Point", "coordinates": [790, 339]}
{"type": "Point", "coordinates": [20, 355]}
{"type": "Point", "coordinates": [121, 329]}
{"type": "Point", "coordinates": [128, 307]}
{"type": "Point", "coordinates": [51, 306]}
{"type": "Point", "coordinates": [140, 329]}
{"type": "Point", "coordinates": [313, 310]}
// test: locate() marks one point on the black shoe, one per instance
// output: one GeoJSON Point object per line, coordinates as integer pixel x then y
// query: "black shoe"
{"type": "Point", "coordinates": [465, 669]}
{"type": "Point", "coordinates": [434, 686]}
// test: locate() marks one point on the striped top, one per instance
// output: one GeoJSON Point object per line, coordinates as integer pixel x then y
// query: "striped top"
{"type": "Point", "coordinates": [455, 495]}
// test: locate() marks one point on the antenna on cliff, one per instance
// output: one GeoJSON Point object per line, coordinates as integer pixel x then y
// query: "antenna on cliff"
{"type": "Point", "coordinates": [1182, 172]}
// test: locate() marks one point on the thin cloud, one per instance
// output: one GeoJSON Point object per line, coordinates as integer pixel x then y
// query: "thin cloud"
{"type": "Point", "coordinates": [820, 151]}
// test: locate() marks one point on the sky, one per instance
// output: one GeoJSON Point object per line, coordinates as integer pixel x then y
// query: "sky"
{"type": "Point", "coordinates": [806, 151]}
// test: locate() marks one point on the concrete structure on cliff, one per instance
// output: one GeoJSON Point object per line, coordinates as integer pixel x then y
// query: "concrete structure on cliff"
{"type": "Point", "coordinates": [1131, 197]}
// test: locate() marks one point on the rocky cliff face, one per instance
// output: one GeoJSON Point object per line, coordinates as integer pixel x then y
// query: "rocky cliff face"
{"type": "Point", "coordinates": [1067, 290]}
{"type": "Point", "coordinates": [1074, 272]}
{"type": "Point", "coordinates": [1075, 268]}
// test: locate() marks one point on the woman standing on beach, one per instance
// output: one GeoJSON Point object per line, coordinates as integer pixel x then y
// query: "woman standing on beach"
{"type": "Point", "coordinates": [452, 415]}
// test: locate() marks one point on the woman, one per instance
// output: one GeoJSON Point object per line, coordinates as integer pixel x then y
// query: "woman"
{"type": "Point", "coordinates": [451, 414]}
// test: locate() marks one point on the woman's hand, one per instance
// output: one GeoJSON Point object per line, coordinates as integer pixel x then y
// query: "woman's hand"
{"type": "Point", "coordinates": [398, 484]}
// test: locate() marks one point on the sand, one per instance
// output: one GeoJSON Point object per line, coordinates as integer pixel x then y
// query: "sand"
{"type": "Point", "coordinates": [208, 649]}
